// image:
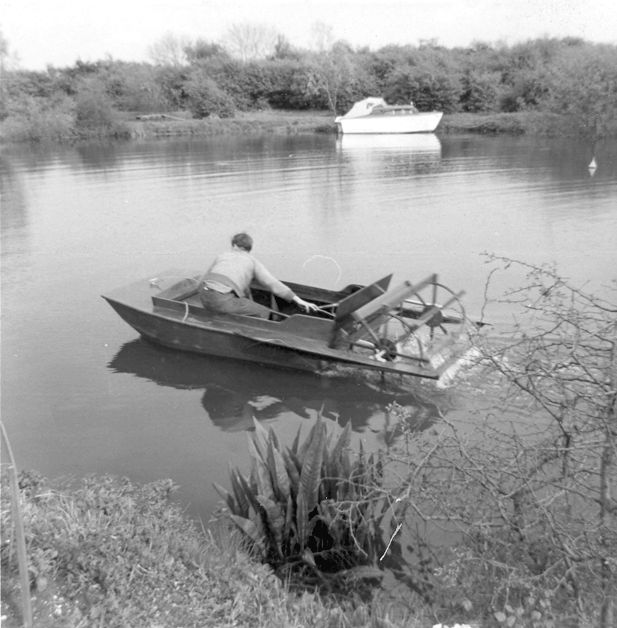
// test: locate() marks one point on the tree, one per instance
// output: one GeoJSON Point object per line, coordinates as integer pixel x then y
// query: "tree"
{"type": "Point", "coordinates": [336, 75]}
{"type": "Point", "coordinates": [201, 50]}
{"type": "Point", "coordinates": [283, 49]}
{"type": "Point", "coordinates": [322, 36]}
{"type": "Point", "coordinates": [9, 60]}
{"type": "Point", "coordinates": [248, 41]}
{"type": "Point", "coordinates": [583, 85]}
{"type": "Point", "coordinates": [169, 50]}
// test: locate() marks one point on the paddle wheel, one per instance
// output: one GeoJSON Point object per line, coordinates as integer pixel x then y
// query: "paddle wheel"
{"type": "Point", "coordinates": [423, 324]}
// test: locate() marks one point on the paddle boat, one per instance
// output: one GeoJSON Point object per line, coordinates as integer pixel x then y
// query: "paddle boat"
{"type": "Point", "coordinates": [374, 115]}
{"type": "Point", "coordinates": [418, 330]}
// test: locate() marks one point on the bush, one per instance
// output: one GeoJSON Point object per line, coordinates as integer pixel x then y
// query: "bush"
{"type": "Point", "coordinates": [529, 487]}
{"type": "Point", "coordinates": [133, 87]}
{"type": "Point", "coordinates": [479, 92]}
{"type": "Point", "coordinates": [205, 98]}
{"type": "Point", "coordinates": [429, 90]}
{"type": "Point", "coordinates": [93, 110]}
{"type": "Point", "coordinates": [36, 119]}
{"type": "Point", "coordinates": [312, 511]}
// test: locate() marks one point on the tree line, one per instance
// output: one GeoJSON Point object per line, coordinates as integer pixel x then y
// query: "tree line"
{"type": "Point", "coordinates": [566, 76]}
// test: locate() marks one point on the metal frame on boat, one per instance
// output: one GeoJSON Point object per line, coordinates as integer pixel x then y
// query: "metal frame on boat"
{"type": "Point", "coordinates": [403, 330]}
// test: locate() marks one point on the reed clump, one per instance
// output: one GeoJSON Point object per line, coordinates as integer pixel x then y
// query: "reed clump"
{"type": "Point", "coordinates": [314, 511]}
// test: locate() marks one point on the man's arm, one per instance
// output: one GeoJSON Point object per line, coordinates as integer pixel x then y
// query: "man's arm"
{"type": "Point", "coordinates": [267, 279]}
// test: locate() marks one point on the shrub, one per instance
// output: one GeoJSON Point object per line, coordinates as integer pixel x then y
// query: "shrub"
{"type": "Point", "coordinates": [530, 488]}
{"type": "Point", "coordinates": [133, 87]}
{"type": "Point", "coordinates": [206, 98]}
{"type": "Point", "coordinates": [312, 511]}
{"type": "Point", "coordinates": [35, 119]}
{"type": "Point", "coordinates": [95, 115]}
{"type": "Point", "coordinates": [429, 90]}
{"type": "Point", "coordinates": [479, 92]}
{"type": "Point", "coordinates": [93, 110]}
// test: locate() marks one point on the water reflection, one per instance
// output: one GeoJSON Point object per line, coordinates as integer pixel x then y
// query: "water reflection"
{"type": "Point", "coordinates": [99, 156]}
{"type": "Point", "coordinates": [12, 192]}
{"type": "Point", "coordinates": [390, 154]}
{"type": "Point", "coordinates": [235, 392]}
{"type": "Point", "coordinates": [414, 144]}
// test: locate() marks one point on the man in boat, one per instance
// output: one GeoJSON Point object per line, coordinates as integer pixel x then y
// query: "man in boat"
{"type": "Point", "coordinates": [225, 287]}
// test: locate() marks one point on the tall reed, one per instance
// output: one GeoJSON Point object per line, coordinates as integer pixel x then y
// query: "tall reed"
{"type": "Point", "coordinates": [20, 542]}
{"type": "Point", "coordinates": [313, 511]}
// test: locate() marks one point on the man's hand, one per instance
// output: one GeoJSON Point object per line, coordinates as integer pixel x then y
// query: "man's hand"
{"type": "Point", "coordinates": [305, 305]}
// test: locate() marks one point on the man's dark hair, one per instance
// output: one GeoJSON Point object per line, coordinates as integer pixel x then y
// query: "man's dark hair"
{"type": "Point", "coordinates": [242, 241]}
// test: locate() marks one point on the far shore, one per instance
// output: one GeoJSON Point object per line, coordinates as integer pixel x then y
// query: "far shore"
{"type": "Point", "coordinates": [143, 126]}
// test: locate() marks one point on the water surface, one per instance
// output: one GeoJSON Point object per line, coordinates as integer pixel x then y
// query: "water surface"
{"type": "Point", "coordinates": [82, 394]}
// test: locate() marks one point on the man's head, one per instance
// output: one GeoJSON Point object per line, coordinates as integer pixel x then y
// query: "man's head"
{"type": "Point", "coordinates": [242, 241]}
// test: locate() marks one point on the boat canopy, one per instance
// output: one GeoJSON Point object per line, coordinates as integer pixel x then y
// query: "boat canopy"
{"type": "Point", "coordinates": [364, 107]}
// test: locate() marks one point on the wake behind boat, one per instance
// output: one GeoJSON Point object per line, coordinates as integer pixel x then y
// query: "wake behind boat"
{"type": "Point", "coordinates": [403, 330]}
{"type": "Point", "coordinates": [374, 115]}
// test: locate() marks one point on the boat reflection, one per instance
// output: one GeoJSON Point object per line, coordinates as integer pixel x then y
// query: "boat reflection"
{"type": "Point", "coordinates": [413, 143]}
{"type": "Point", "coordinates": [235, 392]}
{"type": "Point", "coordinates": [392, 154]}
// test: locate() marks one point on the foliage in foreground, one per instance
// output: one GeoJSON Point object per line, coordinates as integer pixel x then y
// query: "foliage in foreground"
{"type": "Point", "coordinates": [314, 512]}
{"type": "Point", "coordinates": [527, 484]}
{"type": "Point", "coordinates": [110, 553]}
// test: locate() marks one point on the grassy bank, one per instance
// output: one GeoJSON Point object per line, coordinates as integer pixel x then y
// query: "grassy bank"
{"type": "Point", "coordinates": [49, 127]}
{"type": "Point", "coordinates": [110, 553]}
{"type": "Point", "coordinates": [253, 123]}
{"type": "Point", "coordinates": [293, 122]}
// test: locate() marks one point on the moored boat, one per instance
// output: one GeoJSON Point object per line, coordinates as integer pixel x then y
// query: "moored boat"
{"type": "Point", "coordinates": [374, 115]}
{"type": "Point", "coordinates": [401, 330]}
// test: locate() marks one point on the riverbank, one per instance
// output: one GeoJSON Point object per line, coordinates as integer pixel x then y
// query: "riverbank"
{"type": "Point", "coordinates": [298, 122]}
{"type": "Point", "coordinates": [244, 123]}
{"type": "Point", "coordinates": [110, 553]}
{"type": "Point", "coordinates": [125, 125]}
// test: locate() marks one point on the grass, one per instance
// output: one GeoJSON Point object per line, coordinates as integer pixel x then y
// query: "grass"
{"type": "Point", "coordinates": [294, 122]}
{"type": "Point", "coordinates": [109, 553]}
{"type": "Point", "coordinates": [58, 126]}
{"type": "Point", "coordinates": [516, 123]}
{"type": "Point", "coordinates": [244, 123]}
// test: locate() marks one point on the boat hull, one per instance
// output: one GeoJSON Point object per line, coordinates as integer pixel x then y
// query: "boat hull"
{"type": "Point", "coordinates": [376, 124]}
{"type": "Point", "coordinates": [220, 342]}
{"type": "Point", "coordinates": [167, 310]}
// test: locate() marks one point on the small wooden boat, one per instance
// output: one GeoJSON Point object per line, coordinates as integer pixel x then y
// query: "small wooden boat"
{"type": "Point", "coordinates": [374, 115]}
{"type": "Point", "coordinates": [401, 330]}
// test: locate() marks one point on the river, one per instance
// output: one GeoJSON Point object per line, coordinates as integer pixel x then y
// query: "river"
{"type": "Point", "coordinates": [82, 394]}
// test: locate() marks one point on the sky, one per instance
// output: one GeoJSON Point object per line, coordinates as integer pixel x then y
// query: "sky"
{"type": "Point", "coordinates": [60, 32]}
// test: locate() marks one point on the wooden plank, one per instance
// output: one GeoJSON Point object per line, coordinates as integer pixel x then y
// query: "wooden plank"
{"type": "Point", "coordinates": [362, 297]}
{"type": "Point", "coordinates": [391, 298]}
